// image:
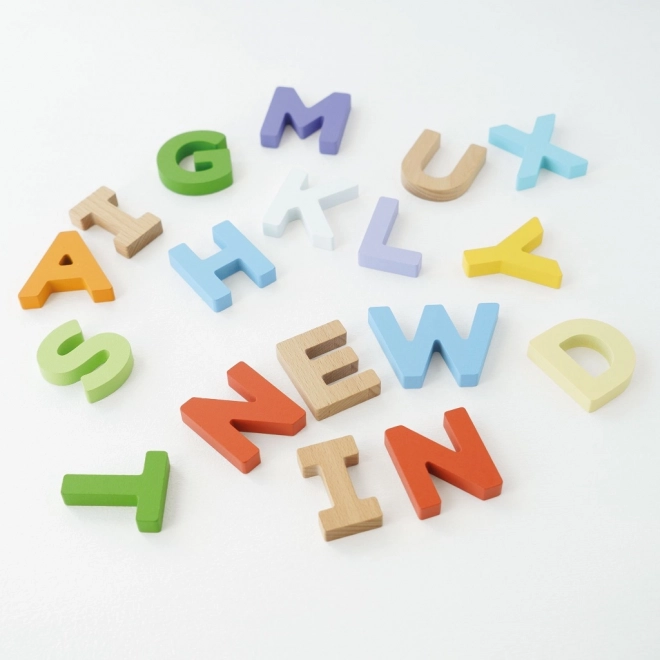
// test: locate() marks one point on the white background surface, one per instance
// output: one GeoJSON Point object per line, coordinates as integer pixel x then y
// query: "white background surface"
{"type": "Point", "coordinates": [563, 564]}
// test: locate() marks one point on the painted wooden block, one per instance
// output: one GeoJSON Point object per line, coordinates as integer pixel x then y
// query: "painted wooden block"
{"type": "Point", "coordinates": [147, 491]}
{"type": "Point", "coordinates": [212, 160]}
{"type": "Point", "coordinates": [296, 201]}
{"type": "Point", "coordinates": [222, 423]}
{"type": "Point", "coordinates": [68, 265]}
{"type": "Point", "coordinates": [131, 234]}
{"type": "Point", "coordinates": [536, 152]}
{"type": "Point", "coordinates": [511, 257]}
{"type": "Point", "coordinates": [435, 333]}
{"type": "Point", "coordinates": [329, 115]}
{"type": "Point", "coordinates": [205, 275]}
{"type": "Point", "coordinates": [548, 351]}
{"type": "Point", "coordinates": [469, 467]}
{"type": "Point", "coordinates": [102, 363]}
{"type": "Point", "coordinates": [349, 514]}
{"type": "Point", "coordinates": [323, 378]}
{"type": "Point", "coordinates": [443, 188]}
{"type": "Point", "coordinates": [374, 251]}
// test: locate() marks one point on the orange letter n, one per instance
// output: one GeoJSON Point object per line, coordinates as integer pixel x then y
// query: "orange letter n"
{"type": "Point", "coordinates": [267, 410]}
{"type": "Point", "coordinates": [469, 468]}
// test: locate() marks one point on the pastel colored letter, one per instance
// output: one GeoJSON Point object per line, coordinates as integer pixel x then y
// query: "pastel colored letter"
{"type": "Point", "coordinates": [330, 115]}
{"type": "Point", "coordinates": [221, 423]}
{"type": "Point", "coordinates": [374, 251]}
{"type": "Point", "coordinates": [205, 275]}
{"type": "Point", "coordinates": [435, 333]}
{"type": "Point", "coordinates": [147, 491]}
{"type": "Point", "coordinates": [102, 363]}
{"type": "Point", "coordinates": [212, 160]}
{"type": "Point", "coordinates": [512, 257]}
{"type": "Point", "coordinates": [536, 152]}
{"type": "Point", "coordinates": [326, 379]}
{"type": "Point", "coordinates": [548, 351]}
{"type": "Point", "coordinates": [68, 265]}
{"type": "Point", "coordinates": [131, 234]}
{"type": "Point", "coordinates": [349, 514]}
{"type": "Point", "coordinates": [469, 468]}
{"type": "Point", "coordinates": [296, 201]}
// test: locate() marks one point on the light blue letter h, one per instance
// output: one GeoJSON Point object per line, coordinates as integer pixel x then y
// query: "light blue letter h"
{"type": "Point", "coordinates": [205, 275]}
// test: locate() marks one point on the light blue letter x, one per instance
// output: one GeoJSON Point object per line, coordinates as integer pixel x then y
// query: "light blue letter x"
{"type": "Point", "coordinates": [536, 152]}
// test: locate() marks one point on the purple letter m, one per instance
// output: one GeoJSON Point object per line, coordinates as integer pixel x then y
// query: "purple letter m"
{"type": "Point", "coordinates": [330, 115]}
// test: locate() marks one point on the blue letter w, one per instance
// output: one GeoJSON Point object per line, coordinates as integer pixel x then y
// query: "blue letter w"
{"type": "Point", "coordinates": [435, 332]}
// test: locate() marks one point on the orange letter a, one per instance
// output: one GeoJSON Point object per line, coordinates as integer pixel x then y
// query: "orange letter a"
{"type": "Point", "coordinates": [68, 265]}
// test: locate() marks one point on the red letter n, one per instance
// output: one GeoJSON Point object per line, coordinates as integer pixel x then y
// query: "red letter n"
{"type": "Point", "coordinates": [267, 410]}
{"type": "Point", "coordinates": [469, 468]}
